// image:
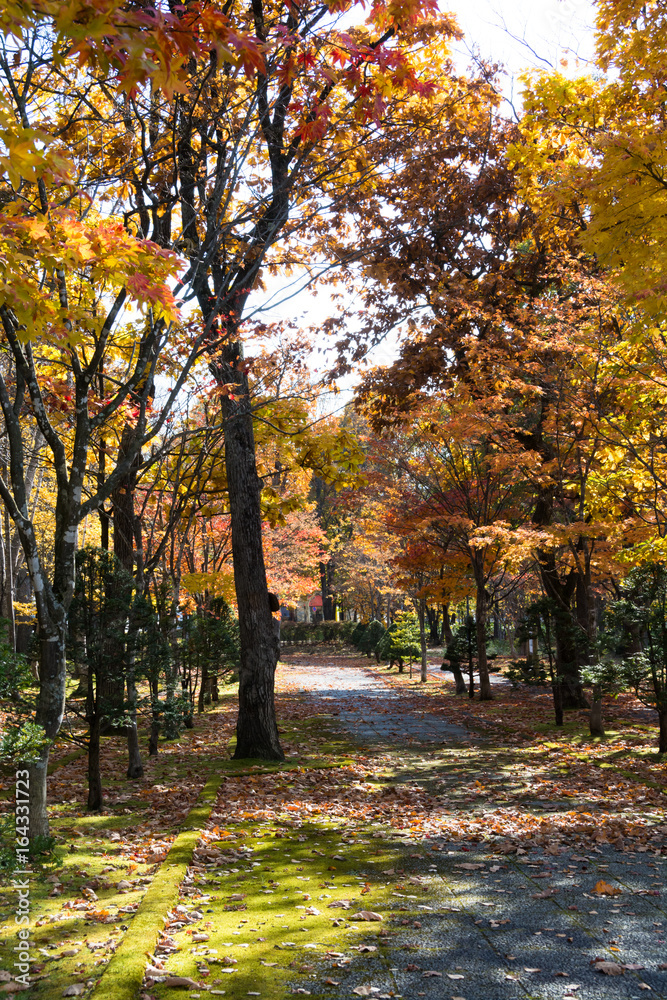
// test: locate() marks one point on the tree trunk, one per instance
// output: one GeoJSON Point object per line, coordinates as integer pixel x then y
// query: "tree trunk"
{"type": "Point", "coordinates": [447, 634]}
{"type": "Point", "coordinates": [95, 797]}
{"type": "Point", "coordinates": [595, 719]}
{"type": "Point", "coordinates": [497, 630]}
{"type": "Point", "coordinates": [433, 616]}
{"type": "Point", "coordinates": [567, 662]}
{"type": "Point", "coordinates": [485, 692]}
{"type": "Point", "coordinates": [49, 715]}
{"type": "Point", "coordinates": [328, 602]}
{"type": "Point", "coordinates": [423, 675]}
{"type": "Point", "coordinates": [455, 667]}
{"type": "Point", "coordinates": [203, 687]}
{"type": "Point", "coordinates": [124, 528]}
{"type": "Point", "coordinates": [256, 727]}
{"type": "Point", "coordinates": [662, 718]}
{"type": "Point", "coordinates": [135, 767]}
{"type": "Point", "coordinates": [555, 680]}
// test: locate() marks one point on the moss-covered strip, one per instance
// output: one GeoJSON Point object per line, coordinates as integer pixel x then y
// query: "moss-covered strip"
{"type": "Point", "coordinates": [123, 976]}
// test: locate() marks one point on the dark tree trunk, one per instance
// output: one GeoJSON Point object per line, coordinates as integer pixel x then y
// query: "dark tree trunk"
{"type": "Point", "coordinates": [123, 546]}
{"type": "Point", "coordinates": [203, 687]}
{"type": "Point", "coordinates": [135, 767]}
{"type": "Point", "coordinates": [567, 660]}
{"type": "Point", "coordinates": [455, 667]}
{"type": "Point", "coordinates": [423, 674]}
{"type": "Point", "coordinates": [256, 727]}
{"type": "Point", "coordinates": [662, 719]}
{"type": "Point", "coordinates": [328, 601]}
{"type": "Point", "coordinates": [595, 718]}
{"type": "Point", "coordinates": [433, 616]}
{"type": "Point", "coordinates": [556, 689]}
{"type": "Point", "coordinates": [447, 634]}
{"type": "Point", "coordinates": [485, 692]}
{"type": "Point", "coordinates": [95, 797]}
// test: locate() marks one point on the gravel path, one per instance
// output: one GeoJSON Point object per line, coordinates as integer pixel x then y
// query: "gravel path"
{"type": "Point", "coordinates": [365, 707]}
{"type": "Point", "coordinates": [519, 927]}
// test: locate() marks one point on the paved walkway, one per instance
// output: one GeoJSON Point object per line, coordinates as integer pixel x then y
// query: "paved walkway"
{"type": "Point", "coordinates": [524, 926]}
{"type": "Point", "coordinates": [365, 707]}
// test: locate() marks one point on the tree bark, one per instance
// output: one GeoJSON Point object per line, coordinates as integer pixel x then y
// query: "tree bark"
{"type": "Point", "coordinates": [595, 720]}
{"type": "Point", "coordinates": [423, 675]}
{"type": "Point", "coordinates": [485, 692]}
{"type": "Point", "coordinates": [135, 767]}
{"type": "Point", "coordinates": [95, 795]}
{"type": "Point", "coordinates": [567, 662]}
{"type": "Point", "coordinates": [459, 680]}
{"type": "Point", "coordinates": [447, 634]}
{"type": "Point", "coordinates": [328, 602]}
{"type": "Point", "coordinates": [662, 719]}
{"type": "Point", "coordinates": [49, 715]}
{"type": "Point", "coordinates": [256, 727]}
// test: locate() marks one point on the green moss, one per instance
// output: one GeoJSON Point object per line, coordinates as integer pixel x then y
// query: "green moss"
{"type": "Point", "coordinates": [270, 941]}
{"type": "Point", "coordinates": [125, 972]}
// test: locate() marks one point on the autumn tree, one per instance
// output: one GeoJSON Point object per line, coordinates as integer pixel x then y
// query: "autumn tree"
{"type": "Point", "coordinates": [291, 126]}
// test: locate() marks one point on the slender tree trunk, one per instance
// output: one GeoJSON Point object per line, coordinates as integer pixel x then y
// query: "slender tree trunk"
{"type": "Point", "coordinates": [328, 603]}
{"type": "Point", "coordinates": [49, 715]}
{"type": "Point", "coordinates": [423, 675]}
{"type": "Point", "coordinates": [555, 680]}
{"type": "Point", "coordinates": [256, 727]}
{"type": "Point", "coordinates": [135, 767]}
{"type": "Point", "coordinates": [595, 719]}
{"type": "Point", "coordinates": [94, 718]}
{"type": "Point", "coordinates": [447, 634]}
{"type": "Point", "coordinates": [203, 687]}
{"type": "Point", "coordinates": [485, 692]}
{"type": "Point", "coordinates": [433, 616]}
{"type": "Point", "coordinates": [662, 718]}
{"type": "Point", "coordinates": [95, 795]}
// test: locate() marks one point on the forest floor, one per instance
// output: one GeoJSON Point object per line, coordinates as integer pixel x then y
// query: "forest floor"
{"type": "Point", "coordinates": [412, 844]}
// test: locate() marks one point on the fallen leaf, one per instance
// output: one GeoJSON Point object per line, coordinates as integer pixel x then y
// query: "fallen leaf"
{"type": "Point", "coordinates": [469, 866]}
{"type": "Point", "coordinates": [609, 968]}
{"type": "Point", "coordinates": [366, 915]}
{"type": "Point", "coordinates": [603, 888]}
{"type": "Point", "coordinates": [72, 991]}
{"type": "Point", "coordinates": [429, 974]}
{"type": "Point", "coordinates": [331, 982]}
{"type": "Point", "coordinates": [526, 969]}
{"type": "Point", "coordinates": [455, 975]}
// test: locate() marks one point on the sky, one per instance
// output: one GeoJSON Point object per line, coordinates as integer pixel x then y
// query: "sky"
{"type": "Point", "coordinates": [520, 35]}
{"type": "Point", "coordinates": [525, 33]}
